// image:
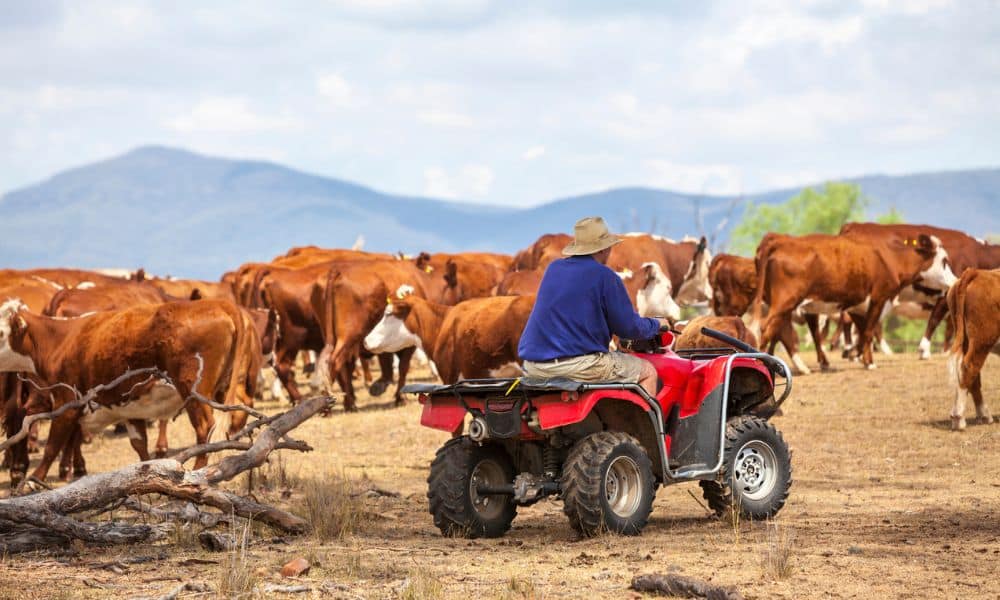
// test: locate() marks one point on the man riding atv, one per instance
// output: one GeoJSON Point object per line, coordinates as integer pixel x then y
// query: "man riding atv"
{"type": "Point", "coordinates": [596, 428]}
{"type": "Point", "coordinates": [579, 305]}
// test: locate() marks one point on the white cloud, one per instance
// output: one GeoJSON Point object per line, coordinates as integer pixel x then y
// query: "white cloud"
{"type": "Point", "coordinates": [231, 115]}
{"type": "Point", "coordinates": [533, 153]}
{"type": "Point", "coordinates": [336, 91]}
{"type": "Point", "coordinates": [469, 181]}
{"type": "Point", "coordinates": [445, 118]}
{"type": "Point", "coordinates": [694, 178]}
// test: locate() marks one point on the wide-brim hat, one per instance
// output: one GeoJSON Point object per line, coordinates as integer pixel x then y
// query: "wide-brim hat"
{"type": "Point", "coordinates": [590, 235]}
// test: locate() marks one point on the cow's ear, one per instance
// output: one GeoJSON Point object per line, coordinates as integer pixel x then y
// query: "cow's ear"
{"type": "Point", "coordinates": [925, 245]}
{"type": "Point", "coordinates": [401, 309]}
{"type": "Point", "coordinates": [647, 271]}
{"type": "Point", "coordinates": [451, 273]}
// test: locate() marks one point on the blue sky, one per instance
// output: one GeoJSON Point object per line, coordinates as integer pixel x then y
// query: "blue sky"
{"type": "Point", "coordinates": [508, 102]}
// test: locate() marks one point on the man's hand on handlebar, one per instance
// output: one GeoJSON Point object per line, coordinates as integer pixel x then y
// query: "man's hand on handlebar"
{"type": "Point", "coordinates": [665, 324]}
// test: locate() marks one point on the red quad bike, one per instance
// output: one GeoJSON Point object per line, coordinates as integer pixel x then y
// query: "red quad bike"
{"type": "Point", "coordinates": [605, 447]}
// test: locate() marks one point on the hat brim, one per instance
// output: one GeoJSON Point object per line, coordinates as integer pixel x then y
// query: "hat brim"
{"type": "Point", "coordinates": [605, 241]}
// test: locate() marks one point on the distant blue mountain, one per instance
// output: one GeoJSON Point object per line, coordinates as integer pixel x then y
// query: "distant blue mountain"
{"type": "Point", "coordinates": [176, 212]}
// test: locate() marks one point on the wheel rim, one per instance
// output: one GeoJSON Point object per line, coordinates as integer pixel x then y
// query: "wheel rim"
{"type": "Point", "coordinates": [623, 486]}
{"type": "Point", "coordinates": [487, 473]}
{"type": "Point", "coordinates": [755, 470]}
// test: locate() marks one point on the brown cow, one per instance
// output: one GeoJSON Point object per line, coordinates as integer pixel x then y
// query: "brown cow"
{"type": "Point", "coordinates": [691, 336]}
{"type": "Point", "coordinates": [193, 289]}
{"type": "Point", "coordinates": [473, 339]}
{"type": "Point", "coordinates": [973, 307]}
{"type": "Point", "coordinates": [734, 283]}
{"type": "Point", "coordinates": [88, 351]}
{"type": "Point", "coordinates": [73, 302]}
{"type": "Point", "coordinates": [544, 250]}
{"type": "Point", "coordinates": [350, 304]}
{"type": "Point", "coordinates": [81, 301]}
{"type": "Point", "coordinates": [519, 283]}
{"type": "Point", "coordinates": [833, 273]}
{"type": "Point", "coordinates": [685, 263]}
{"type": "Point", "coordinates": [964, 252]}
{"type": "Point", "coordinates": [469, 274]}
{"type": "Point", "coordinates": [58, 278]}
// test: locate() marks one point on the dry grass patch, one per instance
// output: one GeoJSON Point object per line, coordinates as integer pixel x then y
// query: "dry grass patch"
{"type": "Point", "coordinates": [331, 504]}
{"type": "Point", "coordinates": [519, 588]}
{"type": "Point", "coordinates": [236, 577]}
{"type": "Point", "coordinates": [421, 585]}
{"type": "Point", "coordinates": [776, 553]}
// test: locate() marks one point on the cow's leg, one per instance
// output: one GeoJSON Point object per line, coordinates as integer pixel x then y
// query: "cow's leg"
{"type": "Point", "coordinates": [14, 414]}
{"type": "Point", "coordinates": [203, 422]}
{"type": "Point", "coordinates": [813, 322]}
{"type": "Point", "coordinates": [346, 383]}
{"type": "Point", "coordinates": [867, 332]}
{"type": "Point", "coordinates": [68, 451]}
{"type": "Point", "coordinates": [136, 429]}
{"type": "Point", "coordinates": [162, 445]}
{"type": "Point", "coordinates": [385, 375]}
{"type": "Point", "coordinates": [883, 345]}
{"type": "Point", "coordinates": [60, 433]}
{"type": "Point", "coordinates": [982, 411]}
{"type": "Point", "coordinates": [778, 326]}
{"type": "Point", "coordinates": [283, 366]}
{"type": "Point", "coordinates": [405, 356]}
{"type": "Point", "coordinates": [366, 368]}
{"type": "Point", "coordinates": [938, 313]}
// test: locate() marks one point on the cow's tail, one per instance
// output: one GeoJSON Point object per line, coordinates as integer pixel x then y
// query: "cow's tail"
{"type": "Point", "coordinates": [956, 314]}
{"type": "Point", "coordinates": [328, 326]}
{"type": "Point", "coordinates": [52, 308]}
{"type": "Point", "coordinates": [244, 368]}
{"type": "Point", "coordinates": [255, 287]}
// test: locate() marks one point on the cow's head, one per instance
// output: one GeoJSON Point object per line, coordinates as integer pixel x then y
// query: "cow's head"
{"type": "Point", "coordinates": [696, 286]}
{"type": "Point", "coordinates": [423, 262]}
{"type": "Point", "coordinates": [936, 270]}
{"type": "Point", "coordinates": [390, 333]}
{"type": "Point", "coordinates": [654, 298]}
{"type": "Point", "coordinates": [13, 328]}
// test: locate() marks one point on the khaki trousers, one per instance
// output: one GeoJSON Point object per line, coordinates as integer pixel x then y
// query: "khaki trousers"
{"type": "Point", "coordinates": [604, 366]}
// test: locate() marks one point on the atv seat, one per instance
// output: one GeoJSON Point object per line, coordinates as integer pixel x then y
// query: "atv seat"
{"type": "Point", "coordinates": [526, 385]}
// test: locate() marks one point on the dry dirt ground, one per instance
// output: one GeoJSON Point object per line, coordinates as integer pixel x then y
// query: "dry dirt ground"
{"type": "Point", "coordinates": [886, 503]}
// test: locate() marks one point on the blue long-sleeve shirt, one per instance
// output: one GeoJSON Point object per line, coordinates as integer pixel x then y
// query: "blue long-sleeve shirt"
{"type": "Point", "coordinates": [580, 303]}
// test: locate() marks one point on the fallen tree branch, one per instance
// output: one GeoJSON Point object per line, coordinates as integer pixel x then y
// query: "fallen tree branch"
{"type": "Point", "coordinates": [83, 401]}
{"type": "Point", "coordinates": [188, 453]}
{"type": "Point", "coordinates": [48, 511]}
{"type": "Point", "coordinates": [684, 587]}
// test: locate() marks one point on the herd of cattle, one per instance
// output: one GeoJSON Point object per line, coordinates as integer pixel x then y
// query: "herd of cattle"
{"type": "Point", "coordinates": [63, 330]}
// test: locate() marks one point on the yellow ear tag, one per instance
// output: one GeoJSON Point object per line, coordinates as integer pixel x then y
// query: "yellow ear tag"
{"type": "Point", "coordinates": [388, 300]}
{"type": "Point", "coordinates": [428, 269]}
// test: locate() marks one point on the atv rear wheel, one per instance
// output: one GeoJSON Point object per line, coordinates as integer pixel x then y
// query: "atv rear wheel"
{"type": "Point", "coordinates": [459, 467]}
{"type": "Point", "coordinates": [607, 484]}
{"type": "Point", "coordinates": [756, 471]}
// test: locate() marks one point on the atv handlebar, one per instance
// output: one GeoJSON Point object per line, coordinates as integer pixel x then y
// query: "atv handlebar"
{"type": "Point", "coordinates": [739, 344]}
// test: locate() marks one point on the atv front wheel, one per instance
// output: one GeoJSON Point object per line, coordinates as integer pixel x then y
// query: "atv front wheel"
{"type": "Point", "coordinates": [459, 510]}
{"type": "Point", "coordinates": [607, 484]}
{"type": "Point", "coordinates": [756, 471]}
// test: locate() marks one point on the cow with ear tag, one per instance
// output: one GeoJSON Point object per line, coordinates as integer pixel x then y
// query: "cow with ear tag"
{"type": "Point", "coordinates": [843, 272]}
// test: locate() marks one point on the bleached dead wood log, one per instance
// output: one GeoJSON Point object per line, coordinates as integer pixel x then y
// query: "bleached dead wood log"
{"type": "Point", "coordinates": [48, 510]}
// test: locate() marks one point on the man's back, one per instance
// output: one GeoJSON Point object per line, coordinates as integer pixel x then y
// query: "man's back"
{"type": "Point", "coordinates": [580, 303]}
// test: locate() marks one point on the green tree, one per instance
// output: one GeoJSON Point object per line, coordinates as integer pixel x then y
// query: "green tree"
{"type": "Point", "coordinates": [810, 211]}
{"type": "Point", "coordinates": [893, 217]}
